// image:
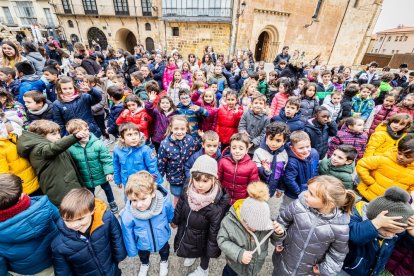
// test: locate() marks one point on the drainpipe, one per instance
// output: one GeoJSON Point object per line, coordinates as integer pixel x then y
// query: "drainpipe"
{"type": "Point", "coordinates": [76, 20]}
{"type": "Point", "coordinates": [136, 20]}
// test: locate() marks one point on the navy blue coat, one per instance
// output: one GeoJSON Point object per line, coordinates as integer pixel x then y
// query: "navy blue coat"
{"type": "Point", "coordinates": [190, 162]}
{"type": "Point", "coordinates": [114, 112]}
{"type": "Point", "coordinates": [158, 73]}
{"type": "Point", "coordinates": [319, 135]}
{"type": "Point", "coordinates": [25, 238]}
{"type": "Point", "coordinates": [79, 108]}
{"type": "Point", "coordinates": [240, 83]}
{"type": "Point", "coordinates": [100, 254]}
{"type": "Point", "coordinates": [299, 171]}
{"type": "Point", "coordinates": [294, 123]}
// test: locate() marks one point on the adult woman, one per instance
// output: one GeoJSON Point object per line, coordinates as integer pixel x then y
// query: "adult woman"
{"type": "Point", "coordinates": [11, 54]}
{"type": "Point", "coordinates": [34, 57]}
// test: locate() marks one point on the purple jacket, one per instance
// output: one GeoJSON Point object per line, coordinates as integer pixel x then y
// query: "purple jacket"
{"type": "Point", "coordinates": [188, 76]}
{"type": "Point", "coordinates": [160, 121]}
{"type": "Point", "coordinates": [346, 137]}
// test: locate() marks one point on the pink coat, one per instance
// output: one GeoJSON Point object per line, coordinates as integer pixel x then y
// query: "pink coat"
{"type": "Point", "coordinates": [210, 122]}
{"type": "Point", "coordinates": [278, 102]}
{"type": "Point", "coordinates": [168, 75]}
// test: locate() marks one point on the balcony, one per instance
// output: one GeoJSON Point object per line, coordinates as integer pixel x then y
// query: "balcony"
{"type": "Point", "coordinates": [102, 10]}
{"type": "Point", "coordinates": [197, 14]}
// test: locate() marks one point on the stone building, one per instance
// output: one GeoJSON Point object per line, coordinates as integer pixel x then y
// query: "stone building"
{"type": "Point", "coordinates": [398, 40]}
{"type": "Point", "coordinates": [336, 31]}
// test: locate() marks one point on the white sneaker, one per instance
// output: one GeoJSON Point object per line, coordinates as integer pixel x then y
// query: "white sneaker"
{"type": "Point", "coordinates": [189, 261]}
{"type": "Point", "coordinates": [143, 270]}
{"type": "Point", "coordinates": [164, 268]}
{"type": "Point", "coordinates": [199, 272]}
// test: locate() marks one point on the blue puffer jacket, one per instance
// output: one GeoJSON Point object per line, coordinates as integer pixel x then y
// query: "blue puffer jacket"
{"type": "Point", "coordinates": [29, 83]}
{"type": "Point", "coordinates": [147, 234]}
{"type": "Point", "coordinates": [299, 171]}
{"type": "Point", "coordinates": [25, 238]}
{"type": "Point", "coordinates": [193, 117]}
{"type": "Point", "coordinates": [114, 112]}
{"type": "Point", "coordinates": [294, 123]}
{"type": "Point", "coordinates": [79, 108]}
{"type": "Point", "coordinates": [190, 162]}
{"type": "Point", "coordinates": [128, 161]}
{"type": "Point", "coordinates": [366, 255]}
{"type": "Point", "coordinates": [99, 254]}
{"type": "Point", "coordinates": [362, 106]}
{"type": "Point", "coordinates": [319, 135]}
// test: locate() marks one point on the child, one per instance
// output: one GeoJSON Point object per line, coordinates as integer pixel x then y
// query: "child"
{"type": "Point", "coordinates": [12, 108]}
{"type": "Point", "coordinates": [29, 80]}
{"type": "Point", "coordinates": [116, 95]}
{"type": "Point", "coordinates": [388, 134]}
{"type": "Point", "coordinates": [198, 215]}
{"type": "Point", "coordinates": [407, 105]}
{"type": "Point", "coordinates": [350, 91]}
{"type": "Point", "coordinates": [272, 87]}
{"type": "Point", "coordinates": [341, 165]}
{"type": "Point", "coordinates": [244, 75]}
{"type": "Point", "coordinates": [175, 86]}
{"type": "Point", "coordinates": [134, 112]}
{"type": "Point", "coordinates": [131, 155]}
{"type": "Point", "coordinates": [236, 169]}
{"type": "Point", "coordinates": [302, 165]}
{"type": "Point", "coordinates": [351, 133]}
{"type": "Point", "coordinates": [291, 115]}
{"type": "Point", "coordinates": [138, 87]}
{"type": "Point", "coordinates": [271, 157]}
{"type": "Point", "coordinates": [319, 129]}
{"type": "Point", "coordinates": [51, 74]}
{"type": "Point", "coordinates": [210, 146]}
{"type": "Point", "coordinates": [168, 74]}
{"type": "Point", "coordinates": [337, 80]}
{"type": "Point", "coordinates": [119, 80]}
{"type": "Point", "coordinates": [246, 93]}
{"type": "Point", "coordinates": [333, 103]}
{"type": "Point", "coordinates": [9, 81]}
{"type": "Point", "coordinates": [309, 101]}
{"type": "Point", "coordinates": [245, 230]}
{"type": "Point", "coordinates": [378, 173]}
{"type": "Point", "coordinates": [25, 247]}
{"type": "Point", "coordinates": [374, 230]}
{"type": "Point", "coordinates": [72, 104]}
{"type": "Point", "coordinates": [262, 85]}
{"type": "Point", "coordinates": [279, 101]}
{"type": "Point", "coordinates": [325, 87]}
{"type": "Point", "coordinates": [219, 78]}
{"type": "Point", "coordinates": [186, 73]}
{"type": "Point", "coordinates": [300, 90]}
{"type": "Point", "coordinates": [93, 161]}
{"type": "Point", "coordinates": [174, 151]}
{"type": "Point", "coordinates": [89, 239]}
{"type": "Point", "coordinates": [254, 121]}
{"type": "Point", "coordinates": [385, 87]}
{"type": "Point", "coordinates": [362, 104]}
{"type": "Point", "coordinates": [208, 101]}
{"type": "Point", "coordinates": [80, 74]}
{"type": "Point", "coordinates": [192, 112]}
{"type": "Point", "coordinates": [317, 230]}
{"type": "Point", "coordinates": [381, 113]}
{"type": "Point", "coordinates": [47, 153]}
{"type": "Point", "coordinates": [148, 205]}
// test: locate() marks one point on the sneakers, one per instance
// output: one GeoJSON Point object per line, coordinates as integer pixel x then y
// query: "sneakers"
{"type": "Point", "coordinates": [114, 207]}
{"type": "Point", "coordinates": [143, 270]}
{"type": "Point", "coordinates": [199, 272]}
{"type": "Point", "coordinates": [189, 261]}
{"type": "Point", "coordinates": [164, 268]}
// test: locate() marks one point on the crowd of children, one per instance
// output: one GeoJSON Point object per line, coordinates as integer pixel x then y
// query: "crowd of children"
{"type": "Point", "coordinates": [202, 151]}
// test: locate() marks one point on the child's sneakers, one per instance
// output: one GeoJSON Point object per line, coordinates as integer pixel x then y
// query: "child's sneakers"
{"type": "Point", "coordinates": [189, 261]}
{"type": "Point", "coordinates": [114, 207]}
{"type": "Point", "coordinates": [199, 272]}
{"type": "Point", "coordinates": [163, 268]}
{"type": "Point", "coordinates": [143, 270]}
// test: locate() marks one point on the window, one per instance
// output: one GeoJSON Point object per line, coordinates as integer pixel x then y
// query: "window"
{"type": "Point", "coordinates": [90, 6]}
{"type": "Point", "coordinates": [318, 9]}
{"type": "Point", "coordinates": [147, 26]}
{"type": "Point", "coordinates": [401, 38]}
{"type": "Point", "coordinates": [121, 7]}
{"type": "Point", "coordinates": [49, 17]}
{"type": "Point", "coordinates": [70, 24]}
{"type": "Point", "coordinates": [396, 38]}
{"type": "Point", "coordinates": [7, 14]}
{"type": "Point", "coordinates": [397, 51]}
{"type": "Point", "coordinates": [392, 52]}
{"type": "Point", "coordinates": [383, 50]}
{"type": "Point", "coordinates": [146, 7]}
{"type": "Point", "coordinates": [175, 31]}
{"type": "Point", "coordinates": [405, 38]}
{"type": "Point", "coordinates": [389, 38]}
{"type": "Point", "coordinates": [199, 8]}
{"type": "Point", "coordinates": [376, 50]}
{"type": "Point", "coordinates": [66, 6]}
{"type": "Point", "coordinates": [26, 12]}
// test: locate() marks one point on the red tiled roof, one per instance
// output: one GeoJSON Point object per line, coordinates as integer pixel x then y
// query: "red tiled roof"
{"type": "Point", "coordinates": [398, 30]}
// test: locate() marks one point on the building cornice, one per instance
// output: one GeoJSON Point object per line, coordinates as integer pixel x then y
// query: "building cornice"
{"type": "Point", "coordinates": [272, 12]}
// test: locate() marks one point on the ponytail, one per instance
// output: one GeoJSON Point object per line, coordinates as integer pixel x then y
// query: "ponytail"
{"type": "Point", "coordinates": [349, 201]}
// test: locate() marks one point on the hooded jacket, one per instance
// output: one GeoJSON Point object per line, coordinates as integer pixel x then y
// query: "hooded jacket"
{"type": "Point", "coordinates": [209, 123]}
{"type": "Point", "coordinates": [381, 142]}
{"type": "Point", "coordinates": [254, 125]}
{"type": "Point", "coordinates": [347, 137]}
{"type": "Point", "coordinates": [26, 237]}
{"type": "Point", "coordinates": [343, 173]}
{"type": "Point", "coordinates": [46, 113]}
{"type": "Point", "coordinates": [54, 166]}
{"type": "Point", "coordinates": [322, 91]}
{"type": "Point", "coordinates": [168, 75]}
{"type": "Point", "coordinates": [114, 112]}
{"type": "Point", "coordinates": [278, 102]}
{"type": "Point", "coordinates": [362, 106]}
{"type": "Point", "coordinates": [91, 66]}
{"type": "Point", "coordinates": [312, 238]}
{"type": "Point", "coordinates": [29, 83]}
{"type": "Point", "coordinates": [158, 74]}
{"type": "Point", "coordinates": [308, 107]}
{"type": "Point", "coordinates": [140, 118]}
{"type": "Point", "coordinates": [99, 254]}
{"type": "Point", "coordinates": [192, 116]}
{"type": "Point", "coordinates": [381, 114]}
{"type": "Point", "coordinates": [227, 123]}
{"type": "Point", "coordinates": [160, 121]}
{"type": "Point", "coordinates": [294, 123]}
{"type": "Point", "coordinates": [37, 60]}
{"type": "Point", "coordinates": [319, 135]}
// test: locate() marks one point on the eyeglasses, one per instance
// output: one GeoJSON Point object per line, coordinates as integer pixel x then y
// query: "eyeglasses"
{"type": "Point", "coordinates": [184, 98]}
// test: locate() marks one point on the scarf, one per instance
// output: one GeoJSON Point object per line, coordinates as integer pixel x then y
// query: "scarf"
{"type": "Point", "coordinates": [68, 99]}
{"type": "Point", "coordinates": [198, 201]}
{"type": "Point", "coordinates": [155, 208]}
{"type": "Point", "coordinates": [394, 135]}
{"type": "Point", "coordinates": [41, 111]}
{"type": "Point", "coordinates": [17, 208]}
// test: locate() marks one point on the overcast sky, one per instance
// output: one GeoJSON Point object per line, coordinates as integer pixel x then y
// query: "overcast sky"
{"type": "Point", "coordinates": [395, 12]}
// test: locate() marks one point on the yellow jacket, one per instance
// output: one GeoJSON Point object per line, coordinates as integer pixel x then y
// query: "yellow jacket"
{"type": "Point", "coordinates": [379, 173]}
{"type": "Point", "coordinates": [11, 162]}
{"type": "Point", "coordinates": [381, 142]}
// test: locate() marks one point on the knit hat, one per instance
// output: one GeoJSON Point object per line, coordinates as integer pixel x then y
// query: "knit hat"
{"type": "Point", "coordinates": [395, 201]}
{"type": "Point", "coordinates": [205, 164]}
{"type": "Point", "coordinates": [255, 211]}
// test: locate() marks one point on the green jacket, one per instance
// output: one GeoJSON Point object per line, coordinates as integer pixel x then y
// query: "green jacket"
{"type": "Point", "coordinates": [233, 239]}
{"type": "Point", "coordinates": [343, 173]}
{"type": "Point", "coordinates": [141, 92]}
{"type": "Point", "coordinates": [54, 166]}
{"type": "Point", "coordinates": [93, 161]}
{"type": "Point", "coordinates": [262, 86]}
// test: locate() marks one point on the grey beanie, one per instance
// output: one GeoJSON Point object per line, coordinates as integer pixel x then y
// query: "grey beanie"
{"type": "Point", "coordinates": [256, 214]}
{"type": "Point", "coordinates": [205, 164]}
{"type": "Point", "coordinates": [395, 201]}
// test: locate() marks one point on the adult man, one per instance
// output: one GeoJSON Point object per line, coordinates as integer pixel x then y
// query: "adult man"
{"type": "Point", "coordinates": [282, 56]}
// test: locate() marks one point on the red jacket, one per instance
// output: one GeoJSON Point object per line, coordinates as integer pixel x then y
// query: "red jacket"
{"type": "Point", "coordinates": [141, 119]}
{"type": "Point", "coordinates": [382, 115]}
{"type": "Point", "coordinates": [235, 176]}
{"type": "Point", "coordinates": [227, 123]}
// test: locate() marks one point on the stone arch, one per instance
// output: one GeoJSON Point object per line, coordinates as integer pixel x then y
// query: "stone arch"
{"type": "Point", "coordinates": [267, 43]}
{"type": "Point", "coordinates": [95, 35]}
{"type": "Point", "coordinates": [149, 44]}
{"type": "Point", "coordinates": [126, 39]}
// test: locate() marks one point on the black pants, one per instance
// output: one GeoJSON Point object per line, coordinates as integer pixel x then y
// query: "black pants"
{"type": "Point", "coordinates": [164, 254]}
{"type": "Point", "coordinates": [227, 271]}
{"type": "Point", "coordinates": [204, 262]}
{"type": "Point", "coordinates": [108, 191]}
{"type": "Point", "coordinates": [100, 121]}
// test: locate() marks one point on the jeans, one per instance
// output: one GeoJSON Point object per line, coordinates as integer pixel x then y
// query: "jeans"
{"type": "Point", "coordinates": [108, 191]}
{"type": "Point", "coordinates": [227, 271]}
{"type": "Point", "coordinates": [164, 254]}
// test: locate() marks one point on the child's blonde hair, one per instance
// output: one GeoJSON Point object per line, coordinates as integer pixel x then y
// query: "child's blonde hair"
{"type": "Point", "coordinates": [140, 184]}
{"type": "Point", "coordinates": [298, 136]}
{"type": "Point", "coordinates": [75, 125]}
{"type": "Point", "coordinates": [197, 84]}
{"type": "Point", "coordinates": [176, 118]}
{"type": "Point", "coordinates": [214, 103]}
{"type": "Point", "coordinates": [331, 190]}
{"type": "Point", "coordinates": [245, 88]}
{"type": "Point", "coordinates": [397, 118]}
{"type": "Point", "coordinates": [258, 190]}
{"type": "Point", "coordinates": [77, 203]}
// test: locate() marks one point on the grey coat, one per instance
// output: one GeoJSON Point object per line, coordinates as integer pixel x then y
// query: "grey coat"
{"type": "Point", "coordinates": [255, 126]}
{"type": "Point", "coordinates": [37, 60]}
{"type": "Point", "coordinates": [312, 238]}
{"type": "Point", "coordinates": [308, 107]}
